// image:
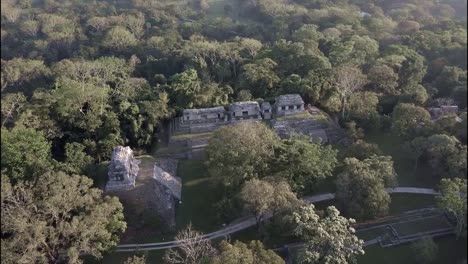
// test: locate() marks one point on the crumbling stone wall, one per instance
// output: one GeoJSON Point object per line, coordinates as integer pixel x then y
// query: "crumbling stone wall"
{"type": "Point", "coordinates": [167, 189]}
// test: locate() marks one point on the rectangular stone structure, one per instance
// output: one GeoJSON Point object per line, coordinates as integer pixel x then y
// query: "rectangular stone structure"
{"type": "Point", "coordinates": [123, 169]}
{"type": "Point", "coordinates": [244, 110]}
{"type": "Point", "coordinates": [289, 104]}
{"type": "Point", "coordinates": [203, 115]}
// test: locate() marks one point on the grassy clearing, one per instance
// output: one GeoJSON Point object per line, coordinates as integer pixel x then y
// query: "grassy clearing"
{"type": "Point", "coordinates": [392, 145]}
{"type": "Point", "coordinates": [302, 115]}
{"type": "Point", "coordinates": [170, 150]}
{"type": "Point", "coordinates": [199, 194]}
{"type": "Point", "coordinates": [450, 251]}
{"type": "Point", "coordinates": [422, 225]}
{"type": "Point", "coordinates": [405, 202]}
{"type": "Point", "coordinates": [191, 136]}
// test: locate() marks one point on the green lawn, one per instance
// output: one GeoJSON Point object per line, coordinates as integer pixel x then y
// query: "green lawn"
{"type": "Point", "coordinates": [392, 145]}
{"type": "Point", "coordinates": [199, 194]}
{"type": "Point", "coordinates": [190, 136]}
{"type": "Point", "coordinates": [170, 150]}
{"type": "Point", "coordinates": [402, 202]}
{"type": "Point", "coordinates": [451, 251]}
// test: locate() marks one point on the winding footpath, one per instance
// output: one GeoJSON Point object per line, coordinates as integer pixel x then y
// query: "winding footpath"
{"type": "Point", "coordinates": [247, 222]}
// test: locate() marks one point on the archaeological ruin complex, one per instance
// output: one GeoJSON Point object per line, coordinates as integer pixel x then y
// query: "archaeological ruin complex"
{"type": "Point", "coordinates": [190, 133]}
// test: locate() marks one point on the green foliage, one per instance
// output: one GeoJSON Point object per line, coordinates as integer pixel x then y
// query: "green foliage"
{"type": "Point", "coordinates": [26, 154]}
{"type": "Point", "coordinates": [259, 77]}
{"type": "Point", "coordinates": [60, 214]}
{"type": "Point", "coordinates": [119, 38]}
{"type": "Point", "coordinates": [136, 260]}
{"type": "Point", "coordinates": [240, 152]}
{"type": "Point", "coordinates": [302, 164]}
{"type": "Point", "coordinates": [443, 153]}
{"type": "Point", "coordinates": [329, 237]}
{"type": "Point", "coordinates": [252, 253]}
{"type": "Point", "coordinates": [410, 121]}
{"type": "Point", "coordinates": [362, 150]}
{"type": "Point", "coordinates": [260, 197]}
{"type": "Point", "coordinates": [453, 201]}
{"type": "Point", "coordinates": [76, 160]}
{"type": "Point", "coordinates": [18, 71]}
{"type": "Point", "coordinates": [362, 106]}
{"type": "Point", "coordinates": [425, 250]}
{"type": "Point", "coordinates": [361, 186]}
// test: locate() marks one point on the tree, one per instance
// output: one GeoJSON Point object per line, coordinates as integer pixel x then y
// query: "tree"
{"type": "Point", "coordinates": [414, 94]}
{"type": "Point", "coordinates": [76, 160]}
{"type": "Point", "coordinates": [361, 186]}
{"type": "Point", "coordinates": [259, 77]}
{"type": "Point", "coordinates": [329, 237]}
{"type": "Point", "coordinates": [302, 163]}
{"type": "Point", "coordinates": [362, 150]}
{"type": "Point", "coordinates": [57, 219]}
{"type": "Point", "coordinates": [348, 80]}
{"type": "Point", "coordinates": [19, 71]}
{"type": "Point", "coordinates": [11, 105]}
{"type": "Point", "coordinates": [363, 107]}
{"type": "Point", "coordinates": [58, 29]}
{"type": "Point", "coordinates": [244, 95]}
{"type": "Point", "coordinates": [192, 249]}
{"type": "Point", "coordinates": [240, 152]}
{"type": "Point", "coordinates": [410, 121]}
{"type": "Point", "coordinates": [453, 201]}
{"type": "Point", "coordinates": [252, 253]}
{"type": "Point", "coordinates": [119, 38]}
{"type": "Point", "coordinates": [136, 260]}
{"type": "Point", "coordinates": [445, 154]}
{"type": "Point", "coordinates": [261, 197]}
{"type": "Point", "coordinates": [26, 154]}
{"type": "Point", "coordinates": [425, 250]}
{"type": "Point", "coordinates": [383, 79]}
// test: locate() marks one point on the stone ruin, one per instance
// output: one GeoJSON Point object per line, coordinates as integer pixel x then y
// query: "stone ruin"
{"type": "Point", "coordinates": [123, 169]}
{"type": "Point", "coordinates": [289, 104]}
{"type": "Point", "coordinates": [244, 110]}
{"type": "Point", "coordinates": [438, 112]}
{"type": "Point", "coordinates": [167, 188]}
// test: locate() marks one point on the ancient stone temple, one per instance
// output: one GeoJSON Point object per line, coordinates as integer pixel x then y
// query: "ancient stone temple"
{"type": "Point", "coordinates": [123, 169]}
{"type": "Point", "coordinates": [244, 110]}
{"type": "Point", "coordinates": [204, 115]}
{"type": "Point", "coordinates": [167, 188]}
{"type": "Point", "coordinates": [289, 104]}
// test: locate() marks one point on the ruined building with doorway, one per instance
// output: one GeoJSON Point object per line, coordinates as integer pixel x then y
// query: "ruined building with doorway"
{"type": "Point", "coordinates": [123, 169]}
